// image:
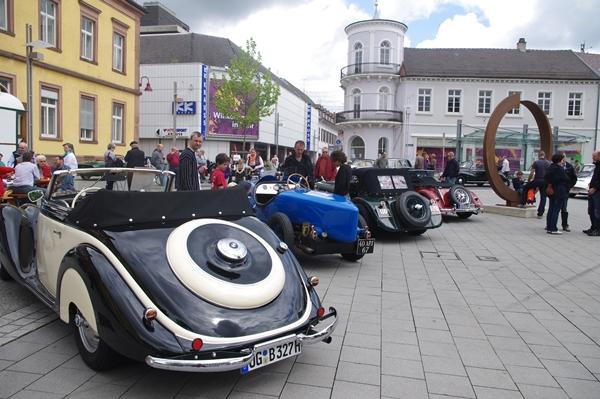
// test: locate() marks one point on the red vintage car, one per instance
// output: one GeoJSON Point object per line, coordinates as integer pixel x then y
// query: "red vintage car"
{"type": "Point", "coordinates": [451, 199]}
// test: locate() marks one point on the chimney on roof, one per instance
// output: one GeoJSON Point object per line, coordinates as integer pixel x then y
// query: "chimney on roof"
{"type": "Point", "coordinates": [522, 45]}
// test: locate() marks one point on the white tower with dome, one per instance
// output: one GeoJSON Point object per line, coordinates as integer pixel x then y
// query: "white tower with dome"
{"type": "Point", "coordinates": [374, 116]}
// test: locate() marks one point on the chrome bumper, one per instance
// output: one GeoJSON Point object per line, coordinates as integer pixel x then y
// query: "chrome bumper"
{"type": "Point", "coordinates": [236, 363]}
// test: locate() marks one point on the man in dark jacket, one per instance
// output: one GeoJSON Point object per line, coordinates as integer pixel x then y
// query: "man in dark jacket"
{"type": "Point", "coordinates": [135, 158]}
{"type": "Point", "coordinates": [537, 181]}
{"type": "Point", "coordinates": [594, 198]}
{"type": "Point", "coordinates": [188, 178]}
{"type": "Point", "coordinates": [564, 214]}
{"type": "Point", "coordinates": [557, 177]}
{"type": "Point", "coordinates": [344, 173]}
{"type": "Point", "coordinates": [451, 169]}
{"type": "Point", "coordinates": [298, 162]}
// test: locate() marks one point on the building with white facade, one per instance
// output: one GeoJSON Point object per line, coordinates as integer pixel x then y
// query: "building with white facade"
{"type": "Point", "coordinates": [409, 100]}
{"type": "Point", "coordinates": [197, 63]}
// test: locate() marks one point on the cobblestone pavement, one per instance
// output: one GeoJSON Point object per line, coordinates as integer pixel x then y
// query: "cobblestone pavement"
{"type": "Point", "coordinates": [490, 307]}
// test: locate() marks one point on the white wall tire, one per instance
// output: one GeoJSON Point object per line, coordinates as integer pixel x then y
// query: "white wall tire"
{"type": "Point", "coordinates": [219, 291]}
{"type": "Point", "coordinates": [92, 349]}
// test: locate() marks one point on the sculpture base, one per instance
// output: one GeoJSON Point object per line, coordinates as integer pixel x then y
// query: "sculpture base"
{"type": "Point", "coordinates": [529, 212]}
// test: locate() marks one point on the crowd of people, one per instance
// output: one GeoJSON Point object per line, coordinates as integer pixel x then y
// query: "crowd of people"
{"type": "Point", "coordinates": [551, 178]}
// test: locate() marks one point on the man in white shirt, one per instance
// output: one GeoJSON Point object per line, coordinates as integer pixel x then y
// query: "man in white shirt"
{"type": "Point", "coordinates": [70, 159]}
{"type": "Point", "coordinates": [505, 167]}
{"type": "Point", "coordinates": [15, 157]}
{"type": "Point", "coordinates": [26, 174]}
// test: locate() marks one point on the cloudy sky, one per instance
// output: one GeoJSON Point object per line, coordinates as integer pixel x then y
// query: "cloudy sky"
{"type": "Point", "coordinates": [304, 42]}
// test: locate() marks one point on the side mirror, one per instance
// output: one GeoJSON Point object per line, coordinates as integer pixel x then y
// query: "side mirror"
{"type": "Point", "coordinates": [35, 195]}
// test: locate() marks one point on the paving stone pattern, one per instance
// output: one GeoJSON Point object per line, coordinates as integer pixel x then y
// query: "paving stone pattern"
{"type": "Point", "coordinates": [504, 311]}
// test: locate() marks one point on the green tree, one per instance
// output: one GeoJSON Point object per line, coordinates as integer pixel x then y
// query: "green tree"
{"type": "Point", "coordinates": [248, 92]}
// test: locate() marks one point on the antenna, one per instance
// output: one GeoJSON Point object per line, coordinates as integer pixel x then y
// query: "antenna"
{"type": "Point", "coordinates": [376, 13]}
{"type": "Point", "coordinates": [583, 47]}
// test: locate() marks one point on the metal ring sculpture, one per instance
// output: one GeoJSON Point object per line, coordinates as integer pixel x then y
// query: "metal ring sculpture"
{"type": "Point", "coordinates": [489, 143]}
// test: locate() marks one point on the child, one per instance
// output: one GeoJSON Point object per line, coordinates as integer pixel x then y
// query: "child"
{"type": "Point", "coordinates": [518, 182]}
{"type": "Point", "coordinates": [218, 176]}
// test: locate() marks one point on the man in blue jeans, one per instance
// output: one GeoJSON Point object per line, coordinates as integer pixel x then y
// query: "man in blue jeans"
{"type": "Point", "coordinates": [451, 169]}
{"type": "Point", "coordinates": [594, 198]}
{"type": "Point", "coordinates": [539, 173]}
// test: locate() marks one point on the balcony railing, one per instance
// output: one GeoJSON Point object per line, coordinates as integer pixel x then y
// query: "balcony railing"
{"type": "Point", "coordinates": [370, 67]}
{"type": "Point", "coordinates": [380, 115]}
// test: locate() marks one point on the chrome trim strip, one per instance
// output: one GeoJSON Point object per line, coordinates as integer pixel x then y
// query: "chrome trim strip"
{"type": "Point", "coordinates": [200, 366]}
{"type": "Point", "coordinates": [236, 363]}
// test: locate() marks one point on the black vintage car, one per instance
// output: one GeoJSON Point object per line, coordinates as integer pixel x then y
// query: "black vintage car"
{"type": "Point", "coordinates": [386, 199]}
{"type": "Point", "coordinates": [188, 281]}
{"type": "Point", "coordinates": [471, 173]}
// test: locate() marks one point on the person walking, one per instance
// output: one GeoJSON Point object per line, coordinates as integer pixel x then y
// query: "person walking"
{"type": "Point", "coordinates": [188, 165]}
{"type": "Point", "coordinates": [557, 187]}
{"type": "Point", "coordinates": [419, 161]}
{"type": "Point", "coordinates": [324, 168]}
{"type": "Point", "coordinates": [173, 161]}
{"type": "Point", "coordinates": [537, 180]}
{"type": "Point", "coordinates": [298, 162]}
{"type": "Point", "coordinates": [505, 167]}
{"type": "Point", "coordinates": [451, 169]}
{"type": "Point", "coordinates": [158, 161]}
{"type": "Point", "coordinates": [69, 157]}
{"type": "Point", "coordinates": [564, 214]}
{"type": "Point", "coordinates": [134, 158]}
{"type": "Point", "coordinates": [432, 162]}
{"type": "Point", "coordinates": [594, 198]}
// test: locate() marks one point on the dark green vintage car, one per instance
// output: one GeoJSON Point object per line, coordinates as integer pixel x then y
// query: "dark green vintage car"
{"type": "Point", "coordinates": [387, 201]}
{"type": "Point", "coordinates": [91, 165]}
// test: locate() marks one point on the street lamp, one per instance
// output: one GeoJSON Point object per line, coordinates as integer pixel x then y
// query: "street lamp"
{"type": "Point", "coordinates": [31, 55]}
{"type": "Point", "coordinates": [148, 87]}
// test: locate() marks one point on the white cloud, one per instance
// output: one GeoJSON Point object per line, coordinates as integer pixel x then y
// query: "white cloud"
{"type": "Point", "coordinates": [305, 44]}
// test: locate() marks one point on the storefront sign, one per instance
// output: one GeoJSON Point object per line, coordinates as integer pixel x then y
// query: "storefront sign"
{"type": "Point", "coordinates": [203, 100]}
{"type": "Point", "coordinates": [219, 126]}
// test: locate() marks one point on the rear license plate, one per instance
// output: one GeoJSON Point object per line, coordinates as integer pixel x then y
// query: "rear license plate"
{"type": "Point", "coordinates": [273, 351]}
{"type": "Point", "coordinates": [365, 246]}
{"type": "Point", "coordinates": [383, 212]}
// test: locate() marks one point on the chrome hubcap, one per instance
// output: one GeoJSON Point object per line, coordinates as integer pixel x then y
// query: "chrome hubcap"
{"type": "Point", "coordinates": [89, 338]}
{"type": "Point", "coordinates": [231, 250]}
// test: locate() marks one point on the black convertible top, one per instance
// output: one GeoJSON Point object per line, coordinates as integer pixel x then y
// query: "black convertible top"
{"type": "Point", "coordinates": [107, 208]}
{"type": "Point", "coordinates": [368, 182]}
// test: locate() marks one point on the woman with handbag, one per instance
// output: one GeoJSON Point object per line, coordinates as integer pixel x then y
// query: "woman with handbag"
{"type": "Point", "coordinates": [557, 189]}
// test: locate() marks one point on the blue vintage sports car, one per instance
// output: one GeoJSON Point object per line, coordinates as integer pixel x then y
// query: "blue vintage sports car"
{"type": "Point", "coordinates": [186, 280]}
{"type": "Point", "coordinates": [310, 221]}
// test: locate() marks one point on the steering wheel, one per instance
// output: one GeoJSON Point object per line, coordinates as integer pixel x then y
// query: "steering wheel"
{"type": "Point", "coordinates": [83, 192]}
{"type": "Point", "coordinates": [299, 182]}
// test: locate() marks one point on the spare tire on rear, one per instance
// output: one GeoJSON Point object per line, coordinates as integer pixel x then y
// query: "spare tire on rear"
{"type": "Point", "coordinates": [412, 209]}
{"type": "Point", "coordinates": [459, 195]}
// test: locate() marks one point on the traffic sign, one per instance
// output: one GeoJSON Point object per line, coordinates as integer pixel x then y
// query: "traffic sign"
{"type": "Point", "coordinates": [338, 142]}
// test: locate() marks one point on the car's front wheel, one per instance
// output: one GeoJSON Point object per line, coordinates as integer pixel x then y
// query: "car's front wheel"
{"type": "Point", "coordinates": [353, 257]}
{"type": "Point", "coordinates": [92, 349]}
{"type": "Point", "coordinates": [282, 227]}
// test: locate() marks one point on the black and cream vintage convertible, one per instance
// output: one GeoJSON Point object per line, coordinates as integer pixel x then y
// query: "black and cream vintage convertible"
{"type": "Point", "coordinates": [187, 281]}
